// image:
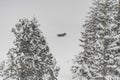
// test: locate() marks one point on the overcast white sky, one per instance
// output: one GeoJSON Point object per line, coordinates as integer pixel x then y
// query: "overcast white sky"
{"type": "Point", "coordinates": [55, 16]}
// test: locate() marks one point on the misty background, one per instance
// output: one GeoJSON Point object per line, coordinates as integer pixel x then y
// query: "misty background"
{"type": "Point", "coordinates": [55, 16]}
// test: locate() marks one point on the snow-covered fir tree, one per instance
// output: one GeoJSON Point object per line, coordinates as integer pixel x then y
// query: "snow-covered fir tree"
{"type": "Point", "coordinates": [30, 59]}
{"type": "Point", "coordinates": [100, 59]}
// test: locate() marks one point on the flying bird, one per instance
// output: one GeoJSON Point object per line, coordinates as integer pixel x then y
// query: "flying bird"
{"type": "Point", "coordinates": [61, 35]}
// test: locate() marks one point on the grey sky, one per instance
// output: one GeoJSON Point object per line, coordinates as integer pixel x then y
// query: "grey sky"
{"type": "Point", "coordinates": [55, 16]}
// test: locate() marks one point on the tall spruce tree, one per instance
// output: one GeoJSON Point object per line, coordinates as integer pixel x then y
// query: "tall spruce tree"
{"type": "Point", "coordinates": [115, 45]}
{"type": "Point", "coordinates": [100, 58]}
{"type": "Point", "coordinates": [30, 59]}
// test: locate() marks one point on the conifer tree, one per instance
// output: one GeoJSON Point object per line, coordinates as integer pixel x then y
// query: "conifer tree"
{"type": "Point", "coordinates": [30, 59]}
{"type": "Point", "coordinates": [99, 60]}
{"type": "Point", "coordinates": [115, 45]}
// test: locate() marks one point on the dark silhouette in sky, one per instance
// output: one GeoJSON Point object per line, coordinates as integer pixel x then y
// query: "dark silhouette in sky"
{"type": "Point", "coordinates": [61, 35]}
